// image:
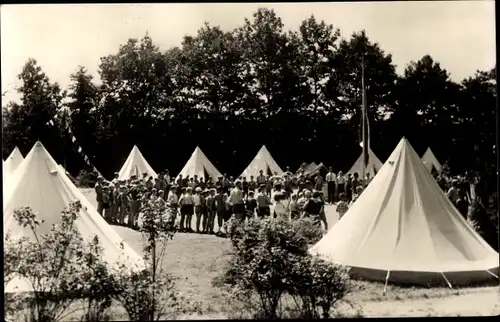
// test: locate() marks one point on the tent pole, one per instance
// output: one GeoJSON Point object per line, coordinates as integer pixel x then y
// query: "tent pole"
{"type": "Point", "coordinates": [491, 273]}
{"type": "Point", "coordinates": [386, 281]}
{"type": "Point", "coordinates": [448, 282]}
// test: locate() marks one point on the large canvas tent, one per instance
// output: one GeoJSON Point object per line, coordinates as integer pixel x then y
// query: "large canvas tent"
{"type": "Point", "coordinates": [318, 169]}
{"type": "Point", "coordinates": [41, 184]}
{"type": "Point", "coordinates": [374, 164]}
{"type": "Point", "coordinates": [262, 161]}
{"type": "Point", "coordinates": [11, 163]}
{"type": "Point", "coordinates": [199, 165]}
{"type": "Point", "coordinates": [403, 229]}
{"type": "Point", "coordinates": [136, 165]}
{"type": "Point", "coordinates": [430, 161]}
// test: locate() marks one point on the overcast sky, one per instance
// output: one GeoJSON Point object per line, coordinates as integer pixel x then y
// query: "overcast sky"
{"type": "Point", "coordinates": [458, 34]}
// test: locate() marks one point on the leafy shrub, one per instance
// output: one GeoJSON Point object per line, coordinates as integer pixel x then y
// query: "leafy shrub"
{"type": "Point", "coordinates": [270, 264]}
{"type": "Point", "coordinates": [318, 285]}
{"type": "Point", "coordinates": [59, 268]}
{"type": "Point", "coordinates": [484, 219]}
{"type": "Point", "coordinates": [86, 179]}
{"type": "Point", "coordinates": [148, 297]}
{"type": "Point", "coordinates": [308, 229]}
{"type": "Point", "coordinates": [151, 294]}
{"type": "Point", "coordinates": [99, 284]}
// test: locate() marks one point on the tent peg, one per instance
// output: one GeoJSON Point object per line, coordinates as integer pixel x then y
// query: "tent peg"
{"type": "Point", "coordinates": [448, 282]}
{"type": "Point", "coordinates": [386, 281]}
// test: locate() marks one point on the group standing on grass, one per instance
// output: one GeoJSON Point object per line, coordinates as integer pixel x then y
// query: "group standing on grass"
{"type": "Point", "coordinates": [120, 201]}
{"type": "Point", "coordinates": [290, 196]}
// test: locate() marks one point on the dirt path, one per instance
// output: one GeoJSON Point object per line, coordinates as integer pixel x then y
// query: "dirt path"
{"type": "Point", "coordinates": [484, 303]}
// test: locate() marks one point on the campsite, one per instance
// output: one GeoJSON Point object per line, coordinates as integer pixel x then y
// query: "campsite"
{"type": "Point", "coordinates": [265, 168]}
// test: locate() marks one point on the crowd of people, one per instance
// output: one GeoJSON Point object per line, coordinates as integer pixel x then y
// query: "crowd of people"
{"type": "Point", "coordinates": [291, 195]}
{"type": "Point", "coordinates": [462, 190]}
{"type": "Point", "coordinates": [288, 195]}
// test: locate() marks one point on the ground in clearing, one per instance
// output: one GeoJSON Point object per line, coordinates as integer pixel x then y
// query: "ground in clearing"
{"type": "Point", "coordinates": [196, 259]}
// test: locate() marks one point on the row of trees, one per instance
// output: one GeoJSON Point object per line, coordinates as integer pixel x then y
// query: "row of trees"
{"type": "Point", "coordinates": [298, 92]}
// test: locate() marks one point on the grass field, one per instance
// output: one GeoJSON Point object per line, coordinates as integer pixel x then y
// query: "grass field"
{"type": "Point", "coordinates": [196, 259]}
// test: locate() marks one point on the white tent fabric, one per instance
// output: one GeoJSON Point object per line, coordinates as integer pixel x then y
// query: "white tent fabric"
{"type": "Point", "coordinates": [431, 161]}
{"type": "Point", "coordinates": [310, 167]}
{"type": "Point", "coordinates": [317, 169]}
{"type": "Point", "coordinates": [199, 165]}
{"type": "Point", "coordinates": [42, 185]}
{"type": "Point", "coordinates": [136, 165]}
{"type": "Point", "coordinates": [262, 161]}
{"type": "Point", "coordinates": [374, 164]}
{"type": "Point", "coordinates": [11, 163]}
{"type": "Point", "coordinates": [404, 229]}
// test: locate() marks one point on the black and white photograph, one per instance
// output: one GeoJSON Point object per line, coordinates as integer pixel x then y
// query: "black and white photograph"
{"type": "Point", "coordinates": [235, 161]}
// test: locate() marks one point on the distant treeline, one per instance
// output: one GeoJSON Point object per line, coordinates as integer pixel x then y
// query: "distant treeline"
{"type": "Point", "coordinates": [229, 92]}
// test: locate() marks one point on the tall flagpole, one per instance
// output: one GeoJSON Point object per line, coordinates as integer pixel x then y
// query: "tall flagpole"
{"type": "Point", "coordinates": [363, 112]}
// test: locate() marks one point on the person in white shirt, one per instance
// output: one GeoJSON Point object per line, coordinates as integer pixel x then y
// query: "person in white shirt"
{"type": "Point", "coordinates": [331, 181]}
{"type": "Point", "coordinates": [341, 181]}
{"type": "Point", "coordinates": [280, 203]}
{"type": "Point", "coordinates": [237, 202]}
{"type": "Point", "coordinates": [172, 203]}
{"type": "Point", "coordinates": [263, 203]}
{"type": "Point", "coordinates": [167, 177]}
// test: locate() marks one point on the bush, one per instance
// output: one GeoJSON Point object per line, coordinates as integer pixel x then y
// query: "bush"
{"type": "Point", "coordinates": [317, 286]}
{"type": "Point", "coordinates": [484, 219]}
{"type": "Point", "coordinates": [146, 297]}
{"type": "Point", "coordinates": [151, 294]}
{"type": "Point", "coordinates": [86, 179]}
{"type": "Point", "coordinates": [270, 264]}
{"type": "Point", "coordinates": [99, 284]}
{"type": "Point", "coordinates": [59, 268]}
{"type": "Point", "coordinates": [308, 229]}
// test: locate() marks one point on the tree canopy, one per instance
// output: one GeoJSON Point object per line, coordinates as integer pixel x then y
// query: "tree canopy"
{"type": "Point", "coordinates": [229, 92]}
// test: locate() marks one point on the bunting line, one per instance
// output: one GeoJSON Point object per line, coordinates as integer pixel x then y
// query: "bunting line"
{"type": "Point", "coordinates": [74, 141]}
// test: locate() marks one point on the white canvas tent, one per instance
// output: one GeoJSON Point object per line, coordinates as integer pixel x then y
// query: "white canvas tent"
{"type": "Point", "coordinates": [11, 163]}
{"type": "Point", "coordinates": [404, 229]}
{"type": "Point", "coordinates": [199, 165]}
{"type": "Point", "coordinates": [41, 184]}
{"type": "Point", "coordinates": [262, 161]}
{"type": "Point", "coordinates": [374, 164]}
{"type": "Point", "coordinates": [318, 169]}
{"type": "Point", "coordinates": [136, 165]}
{"type": "Point", "coordinates": [306, 167]}
{"type": "Point", "coordinates": [430, 161]}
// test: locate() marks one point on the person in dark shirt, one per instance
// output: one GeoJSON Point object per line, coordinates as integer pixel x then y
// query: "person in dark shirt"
{"type": "Point", "coordinates": [150, 183]}
{"type": "Point", "coordinates": [355, 182]}
{"type": "Point", "coordinates": [314, 209]}
{"type": "Point", "coordinates": [301, 183]}
{"type": "Point", "coordinates": [348, 187]}
{"type": "Point", "coordinates": [252, 184]}
{"type": "Point", "coordinates": [98, 193]}
{"type": "Point", "coordinates": [251, 204]}
{"type": "Point", "coordinates": [287, 187]}
{"type": "Point", "coordinates": [106, 195]}
{"type": "Point", "coordinates": [202, 184]}
{"type": "Point", "coordinates": [462, 203]}
{"type": "Point", "coordinates": [245, 186]}
{"type": "Point", "coordinates": [134, 206]}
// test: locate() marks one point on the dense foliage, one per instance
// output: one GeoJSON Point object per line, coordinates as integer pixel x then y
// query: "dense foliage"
{"type": "Point", "coordinates": [70, 277]}
{"type": "Point", "coordinates": [272, 275]}
{"type": "Point", "coordinates": [298, 92]}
